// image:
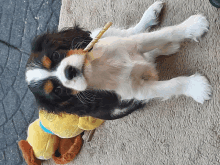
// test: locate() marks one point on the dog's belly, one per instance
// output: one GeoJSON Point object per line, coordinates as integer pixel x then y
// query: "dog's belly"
{"type": "Point", "coordinates": [105, 73]}
{"type": "Point", "coordinates": [118, 68]}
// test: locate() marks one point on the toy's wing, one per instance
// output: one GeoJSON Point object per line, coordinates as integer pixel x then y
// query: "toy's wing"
{"type": "Point", "coordinates": [89, 123]}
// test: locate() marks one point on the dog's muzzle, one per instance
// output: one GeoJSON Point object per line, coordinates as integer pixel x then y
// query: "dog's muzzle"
{"type": "Point", "coordinates": [71, 72]}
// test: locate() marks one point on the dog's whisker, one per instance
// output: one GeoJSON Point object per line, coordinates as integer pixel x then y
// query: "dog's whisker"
{"type": "Point", "coordinates": [90, 98]}
{"type": "Point", "coordinates": [80, 44]}
{"type": "Point", "coordinates": [75, 46]}
{"type": "Point", "coordinates": [72, 42]}
{"type": "Point", "coordinates": [80, 98]}
{"type": "Point", "coordinates": [88, 94]}
{"type": "Point", "coordinates": [86, 99]}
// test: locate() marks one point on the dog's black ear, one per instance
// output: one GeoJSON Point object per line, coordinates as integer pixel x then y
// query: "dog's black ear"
{"type": "Point", "coordinates": [79, 38]}
{"type": "Point", "coordinates": [71, 38]}
{"type": "Point", "coordinates": [39, 43]}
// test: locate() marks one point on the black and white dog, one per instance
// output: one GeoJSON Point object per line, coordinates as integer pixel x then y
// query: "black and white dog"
{"type": "Point", "coordinates": [123, 79]}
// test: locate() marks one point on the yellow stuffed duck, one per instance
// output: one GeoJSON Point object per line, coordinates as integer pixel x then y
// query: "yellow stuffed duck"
{"type": "Point", "coordinates": [53, 132]}
{"type": "Point", "coordinates": [58, 132]}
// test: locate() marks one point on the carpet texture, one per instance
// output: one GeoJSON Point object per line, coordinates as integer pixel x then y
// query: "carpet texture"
{"type": "Point", "coordinates": [178, 131]}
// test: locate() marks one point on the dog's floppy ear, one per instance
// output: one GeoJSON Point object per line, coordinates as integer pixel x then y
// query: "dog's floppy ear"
{"type": "Point", "coordinates": [70, 38]}
{"type": "Point", "coordinates": [39, 43]}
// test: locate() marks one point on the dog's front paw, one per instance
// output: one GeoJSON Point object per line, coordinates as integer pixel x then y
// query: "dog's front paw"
{"type": "Point", "coordinates": [195, 26]}
{"type": "Point", "coordinates": [150, 17]}
{"type": "Point", "coordinates": [154, 11]}
{"type": "Point", "coordinates": [198, 88]}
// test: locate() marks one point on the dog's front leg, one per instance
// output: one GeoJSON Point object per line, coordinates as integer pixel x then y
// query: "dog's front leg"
{"type": "Point", "coordinates": [195, 86]}
{"type": "Point", "coordinates": [192, 28]}
{"type": "Point", "coordinates": [149, 19]}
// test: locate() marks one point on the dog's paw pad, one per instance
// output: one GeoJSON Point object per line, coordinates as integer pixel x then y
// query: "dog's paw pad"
{"type": "Point", "coordinates": [195, 27]}
{"type": "Point", "coordinates": [198, 88]}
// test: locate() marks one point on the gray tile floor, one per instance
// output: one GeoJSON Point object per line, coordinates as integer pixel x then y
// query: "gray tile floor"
{"type": "Point", "coordinates": [20, 22]}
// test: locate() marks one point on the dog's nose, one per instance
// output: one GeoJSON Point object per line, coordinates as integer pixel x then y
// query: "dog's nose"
{"type": "Point", "coordinates": [71, 72]}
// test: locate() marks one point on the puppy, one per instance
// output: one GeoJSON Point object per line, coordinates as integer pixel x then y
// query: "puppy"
{"type": "Point", "coordinates": [123, 79]}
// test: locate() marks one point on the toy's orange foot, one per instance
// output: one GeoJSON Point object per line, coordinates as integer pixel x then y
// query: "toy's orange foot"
{"type": "Point", "coordinates": [68, 149]}
{"type": "Point", "coordinates": [28, 153]}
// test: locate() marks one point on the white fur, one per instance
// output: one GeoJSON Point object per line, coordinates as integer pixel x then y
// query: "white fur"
{"type": "Point", "coordinates": [149, 18]}
{"type": "Point", "coordinates": [198, 88]}
{"type": "Point", "coordinates": [118, 112]}
{"type": "Point", "coordinates": [36, 75]}
{"type": "Point", "coordinates": [195, 26]}
{"type": "Point", "coordinates": [195, 86]}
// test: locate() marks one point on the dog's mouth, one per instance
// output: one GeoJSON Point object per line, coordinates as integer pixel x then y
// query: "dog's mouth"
{"type": "Point", "coordinates": [70, 71]}
{"type": "Point", "coordinates": [74, 69]}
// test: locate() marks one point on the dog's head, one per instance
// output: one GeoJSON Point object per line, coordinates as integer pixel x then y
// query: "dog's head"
{"type": "Point", "coordinates": [54, 72]}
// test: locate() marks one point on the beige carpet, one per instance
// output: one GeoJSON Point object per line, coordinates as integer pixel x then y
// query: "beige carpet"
{"type": "Point", "coordinates": [174, 132]}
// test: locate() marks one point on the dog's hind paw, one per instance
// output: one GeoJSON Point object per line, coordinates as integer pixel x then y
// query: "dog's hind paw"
{"type": "Point", "coordinates": [198, 88]}
{"type": "Point", "coordinates": [195, 27]}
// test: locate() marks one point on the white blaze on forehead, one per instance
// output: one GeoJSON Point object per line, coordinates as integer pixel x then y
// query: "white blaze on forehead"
{"type": "Point", "coordinates": [74, 60]}
{"type": "Point", "coordinates": [37, 75]}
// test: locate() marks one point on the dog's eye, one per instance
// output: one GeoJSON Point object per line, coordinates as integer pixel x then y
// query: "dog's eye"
{"type": "Point", "coordinates": [56, 56]}
{"type": "Point", "coordinates": [58, 90]}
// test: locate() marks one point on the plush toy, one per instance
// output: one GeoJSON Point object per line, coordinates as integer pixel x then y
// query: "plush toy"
{"type": "Point", "coordinates": [53, 132]}
{"type": "Point", "coordinates": [59, 132]}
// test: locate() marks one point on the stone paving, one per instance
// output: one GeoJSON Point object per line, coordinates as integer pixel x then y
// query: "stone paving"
{"type": "Point", "coordinates": [20, 22]}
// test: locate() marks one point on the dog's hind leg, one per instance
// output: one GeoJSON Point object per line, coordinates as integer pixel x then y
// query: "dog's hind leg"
{"type": "Point", "coordinates": [168, 49]}
{"type": "Point", "coordinates": [195, 86]}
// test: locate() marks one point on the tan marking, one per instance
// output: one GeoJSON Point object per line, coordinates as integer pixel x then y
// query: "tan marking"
{"type": "Point", "coordinates": [89, 55]}
{"type": "Point", "coordinates": [46, 62]}
{"type": "Point", "coordinates": [64, 103]}
{"type": "Point", "coordinates": [74, 92]}
{"type": "Point", "coordinates": [48, 87]}
{"type": "Point", "coordinates": [142, 73]}
{"type": "Point", "coordinates": [75, 51]}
